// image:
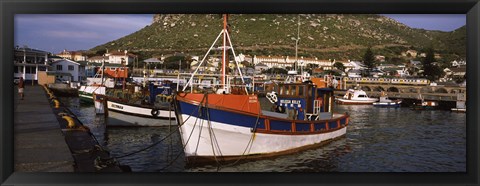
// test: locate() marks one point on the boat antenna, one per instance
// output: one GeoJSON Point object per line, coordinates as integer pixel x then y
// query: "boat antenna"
{"type": "Point", "coordinates": [296, 45]}
{"type": "Point", "coordinates": [224, 51]}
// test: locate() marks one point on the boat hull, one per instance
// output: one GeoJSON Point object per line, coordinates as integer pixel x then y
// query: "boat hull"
{"type": "Point", "coordinates": [134, 110]}
{"type": "Point", "coordinates": [459, 110]}
{"type": "Point", "coordinates": [391, 104]}
{"type": "Point", "coordinates": [117, 119]}
{"type": "Point", "coordinates": [228, 135]}
{"type": "Point", "coordinates": [355, 102]}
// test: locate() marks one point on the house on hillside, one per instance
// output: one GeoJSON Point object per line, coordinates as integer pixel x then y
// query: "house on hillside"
{"type": "Point", "coordinates": [72, 55]}
{"type": "Point", "coordinates": [357, 65]}
{"type": "Point", "coordinates": [98, 59]}
{"type": "Point", "coordinates": [120, 57]}
{"type": "Point", "coordinates": [456, 63]}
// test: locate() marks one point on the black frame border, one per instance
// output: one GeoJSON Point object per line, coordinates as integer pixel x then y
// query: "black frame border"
{"type": "Point", "coordinates": [8, 8]}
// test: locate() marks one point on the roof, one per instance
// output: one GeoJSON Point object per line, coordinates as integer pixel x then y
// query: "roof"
{"type": "Point", "coordinates": [65, 60]}
{"type": "Point", "coordinates": [152, 60]}
{"type": "Point", "coordinates": [463, 69]}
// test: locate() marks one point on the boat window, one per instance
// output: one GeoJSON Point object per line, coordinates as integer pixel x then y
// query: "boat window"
{"type": "Point", "coordinates": [361, 96]}
{"type": "Point", "coordinates": [294, 90]}
{"type": "Point", "coordinates": [300, 90]}
{"type": "Point", "coordinates": [282, 89]}
{"type": "Point", "coordinates": [287, 90]}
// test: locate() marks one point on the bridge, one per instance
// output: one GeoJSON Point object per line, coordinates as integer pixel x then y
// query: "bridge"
{"type": "Point", "coordinates": [437, 93]}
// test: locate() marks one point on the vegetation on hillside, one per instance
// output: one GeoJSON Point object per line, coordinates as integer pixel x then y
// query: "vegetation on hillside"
{"type": "Point", "coordinates": [325, 36]}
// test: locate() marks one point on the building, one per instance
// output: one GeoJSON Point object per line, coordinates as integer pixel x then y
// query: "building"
{"type": "Point", "coordinates": [286, 61]}
{"type": "Point", "coordinates": [119, 57]}
{"type": "Point", "coordinates": [72, 55]}
{"type": "Point", "coordinates": [68, 70]}
{"type": "Point", "coordinates": [456, 63]}
{"type": "Point", "coordinates": [28, 62]}
{"type": "Point", "coordinates": [98, 59]}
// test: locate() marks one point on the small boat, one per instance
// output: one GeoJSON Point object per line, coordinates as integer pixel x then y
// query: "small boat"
{"type": "Point", "coordinates": [138, 110]}
{"type": "Point", "coordinates": [425, 105]}
{"type": "Point", "coordinates": [386, 102]}
{"type": "Point", "coordinates": [229, 124]}
{"type": "Point", "coordinates": [356, 97]}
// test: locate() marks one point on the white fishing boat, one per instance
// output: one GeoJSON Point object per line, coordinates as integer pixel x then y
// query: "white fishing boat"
{"type": "Point", "coordinates": [140, 111]}
{"type": "Point", "coordinates": [229, 124]}
{"type": "Point", "coordinates": [386, 102]}
{"type": "Point", "coordinates": [356, 97]}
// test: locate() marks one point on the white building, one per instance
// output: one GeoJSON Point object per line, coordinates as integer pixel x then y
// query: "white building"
{"type": "Point", "coordinates": [27, 62]}
{"type": "Point", "coordinates": [75, 70]}
{"type": "Point", "coordinates": [118, 57]}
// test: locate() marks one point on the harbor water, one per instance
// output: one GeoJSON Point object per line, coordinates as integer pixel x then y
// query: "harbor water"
{"type": "Point", "coordinates": [377, 140]}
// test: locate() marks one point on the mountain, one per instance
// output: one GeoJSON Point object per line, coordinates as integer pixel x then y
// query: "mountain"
{"type": "Point", "coordinates": [326, 36]}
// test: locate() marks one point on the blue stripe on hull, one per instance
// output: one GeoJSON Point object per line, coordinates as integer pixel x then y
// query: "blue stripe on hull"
{"type": "Point", "coordinates": [238, 119]}
{"type": "Point", "coordinates": [222, 116]}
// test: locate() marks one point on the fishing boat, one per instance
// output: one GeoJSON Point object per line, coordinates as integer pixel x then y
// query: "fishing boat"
{"type": "Point", "coordinates": [139, 109]}
{"type": "Point", "coordinates": [386, 102]}
{"type": "Point", "coordinates": [230, 125]}
{"type": "Point", "coordinates": [424, 104]}
{"type": "Point", "coordinates": [356, 97]}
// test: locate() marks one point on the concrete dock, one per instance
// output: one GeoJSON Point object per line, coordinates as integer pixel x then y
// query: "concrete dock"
{"type": "Point", "coordinates": [39, 143]}
{"type": "Point", "coordinates": [50, 138]}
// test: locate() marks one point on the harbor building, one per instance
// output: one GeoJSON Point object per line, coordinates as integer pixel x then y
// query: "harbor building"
{"type": "Point", "coordinates": [72, 55]}
{"type": "Point", "coordinates": [28, 62]}
{"type": "Point", "coordinates": [69, 70]}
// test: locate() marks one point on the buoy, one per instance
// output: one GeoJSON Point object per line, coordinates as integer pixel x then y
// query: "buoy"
{"type": "Point", "coordinates": [169, 99]}
{"type": "Point", "coordinates": [57, 103]}
{"type": "Point", "coordinates": [71, 123]}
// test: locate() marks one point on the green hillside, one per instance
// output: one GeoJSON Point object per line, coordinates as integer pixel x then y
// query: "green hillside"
{"type": "Point", "coordinates": [325, 36]}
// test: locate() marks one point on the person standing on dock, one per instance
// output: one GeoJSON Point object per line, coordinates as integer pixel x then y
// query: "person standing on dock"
{"type": "Point", "coordinates": [21, 86]}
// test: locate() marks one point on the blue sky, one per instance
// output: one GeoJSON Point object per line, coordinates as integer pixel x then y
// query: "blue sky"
{"type": "Point", "coordinates": [56, 32]}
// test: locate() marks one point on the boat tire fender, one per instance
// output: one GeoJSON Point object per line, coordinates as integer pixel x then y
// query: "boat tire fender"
{"type": "Point", "coordinates": [155, 112]}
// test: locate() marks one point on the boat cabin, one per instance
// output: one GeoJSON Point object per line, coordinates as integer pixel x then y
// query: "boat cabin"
{"type": "Point", "coordinates": [304, 101]}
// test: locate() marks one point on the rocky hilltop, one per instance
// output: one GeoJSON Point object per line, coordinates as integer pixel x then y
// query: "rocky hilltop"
{"type": "Point", "coordinates": [339, 36]}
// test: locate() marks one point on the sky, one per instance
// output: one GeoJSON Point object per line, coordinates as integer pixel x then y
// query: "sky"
{"type": "Point", "coordinates": [56, 32]}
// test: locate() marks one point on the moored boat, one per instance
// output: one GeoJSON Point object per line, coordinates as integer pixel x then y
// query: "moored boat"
{"type": "Point", "coordinates": [425, 105]}
{"type": "Point", "coordinates": [224, 126]}
{"type": "Point", "coordinates": [141, 110]}
{"type": "Point", "coordinates": [356, 97]}
{"type": "Point", "coordinates": [386, 102]}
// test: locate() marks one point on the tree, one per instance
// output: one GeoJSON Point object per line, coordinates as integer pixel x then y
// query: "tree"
{"type": "Point", "coordinates": [431, 71]}
{"type": "Point", "coordinates": [369, 60]}
{"type": "Point", "coordinates": [340, 66]}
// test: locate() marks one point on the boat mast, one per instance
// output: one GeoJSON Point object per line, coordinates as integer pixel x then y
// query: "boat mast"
{"type": "Point", "coordinates": [296, 43]}
{"type": "Point", "coordinates": [224, 53]}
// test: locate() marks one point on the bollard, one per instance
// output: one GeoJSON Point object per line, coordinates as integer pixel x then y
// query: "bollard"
{"type": "Point", "coordinates": [71, 122]}
{"type": "Point", "coordinates": [57, 103]}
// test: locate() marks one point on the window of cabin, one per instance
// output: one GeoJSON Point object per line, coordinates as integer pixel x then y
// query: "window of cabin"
{"type": "Point", "coordinates": [15, 70]}
{"type": "Point", "coordinates": [309, 91]}
{"type": "Point", "coordinates": [70, 68]}
{"type": "Point", "coordinates": [300, 91]}
{"type": "Point", "coordinates": [282, 90]}
{"type": "Point", "coordinates": [361, 96]}
{"type": "Point", "coordinates": [287, 90]}
{"type": "Point", "coordinates": [59, 67]}
{"type": "Point", "coordinates": [294, 90]}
